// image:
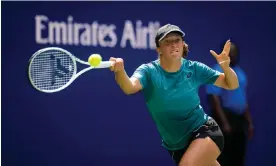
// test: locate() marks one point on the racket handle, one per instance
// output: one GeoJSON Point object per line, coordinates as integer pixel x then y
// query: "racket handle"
{"type": "Point", "coordinates": [105, 64]}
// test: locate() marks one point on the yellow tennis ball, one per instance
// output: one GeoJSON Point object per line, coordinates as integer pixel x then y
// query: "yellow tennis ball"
{"type": "Point", "coordinates": [94, 59]}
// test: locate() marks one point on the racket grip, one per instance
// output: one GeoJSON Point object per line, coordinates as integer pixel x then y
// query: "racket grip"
{"type": "Point", "coordinates": [105, 64]}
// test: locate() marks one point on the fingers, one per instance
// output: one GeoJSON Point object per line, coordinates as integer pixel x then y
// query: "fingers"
{"type": "Point", "coordinates": [214, 54]}
{"type": "Point", "coordinates": [227, 46]}
{"type": "Point", "coordinates": [226, 49]}
{"type": "Point", "coordinates": [112, 64]}
{"type": "Point", "coordinates": [117, 65]}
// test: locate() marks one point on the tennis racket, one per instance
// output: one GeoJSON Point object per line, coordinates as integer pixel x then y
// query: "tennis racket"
{"type": "Point", "coordinates": [53, 69]}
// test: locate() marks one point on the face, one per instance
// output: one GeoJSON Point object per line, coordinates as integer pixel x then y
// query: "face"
{"type": "Point", "coordinates": [171, 47]}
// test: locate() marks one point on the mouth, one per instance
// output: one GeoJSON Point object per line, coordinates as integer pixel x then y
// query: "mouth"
{"type": "Point", "coordinates": [174, 51]}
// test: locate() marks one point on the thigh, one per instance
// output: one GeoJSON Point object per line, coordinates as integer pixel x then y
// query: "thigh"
{"type": "Point", "coordinates": [212, 130]}
{"type": "Point", "coordinates": [201, 152]}
{"type": "Point", "coordinates": [206, 146]}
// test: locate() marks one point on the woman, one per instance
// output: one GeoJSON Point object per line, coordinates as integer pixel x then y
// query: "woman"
{"type": "Point", "coordinates": [170, 85]}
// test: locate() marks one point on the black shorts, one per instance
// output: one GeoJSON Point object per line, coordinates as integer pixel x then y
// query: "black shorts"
{"type": "Point", "coordinates": [209, 129]}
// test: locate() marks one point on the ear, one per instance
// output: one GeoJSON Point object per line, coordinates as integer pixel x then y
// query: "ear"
{"type": "Point", "coordinates": [158, 51]}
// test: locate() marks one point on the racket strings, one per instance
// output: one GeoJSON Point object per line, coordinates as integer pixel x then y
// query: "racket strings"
{"type": "Point", "coordinates": [51, 70]}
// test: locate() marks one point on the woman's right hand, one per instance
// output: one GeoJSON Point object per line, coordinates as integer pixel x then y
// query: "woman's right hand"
{"type": "Point", "coordinates": [117, 64]}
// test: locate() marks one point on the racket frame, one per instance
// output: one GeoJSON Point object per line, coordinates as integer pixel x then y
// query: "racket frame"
{"type": "Point", "coordinates": [104, 64]}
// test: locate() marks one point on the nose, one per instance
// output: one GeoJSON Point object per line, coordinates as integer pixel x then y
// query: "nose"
{"type": "Point", "coordinates": [173, 44]}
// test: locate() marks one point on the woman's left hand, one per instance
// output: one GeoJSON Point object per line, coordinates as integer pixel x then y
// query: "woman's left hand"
{"type": "Point", "coordinates": [223, 58]}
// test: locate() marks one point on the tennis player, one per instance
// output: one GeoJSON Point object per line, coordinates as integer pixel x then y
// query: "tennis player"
{"type": "Point", "coordinates": [170, 86]}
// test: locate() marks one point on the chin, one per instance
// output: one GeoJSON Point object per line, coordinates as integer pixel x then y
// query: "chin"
{"type": "Point", "coordinates": [176, 56]}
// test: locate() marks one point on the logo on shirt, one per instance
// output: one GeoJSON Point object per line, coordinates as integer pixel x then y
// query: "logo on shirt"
{"type": "Point", "coordinates": [189, 74]}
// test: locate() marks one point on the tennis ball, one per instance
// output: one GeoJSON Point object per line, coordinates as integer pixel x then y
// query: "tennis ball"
{"type": "Point", "coordinates": [94, 60]}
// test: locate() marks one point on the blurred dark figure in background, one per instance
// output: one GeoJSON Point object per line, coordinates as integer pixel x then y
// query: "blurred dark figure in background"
{"type": "Point", "coordinates": [230, 109]}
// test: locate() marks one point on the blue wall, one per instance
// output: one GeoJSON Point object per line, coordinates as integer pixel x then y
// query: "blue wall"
{"type": "Point", "coordinates": [92, 122]}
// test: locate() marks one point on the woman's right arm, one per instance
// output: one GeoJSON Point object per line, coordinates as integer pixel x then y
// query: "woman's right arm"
{"type": "Point", "coordinates": [128, 85]}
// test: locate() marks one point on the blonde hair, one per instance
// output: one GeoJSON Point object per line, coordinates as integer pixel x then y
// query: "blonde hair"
{"type": "Point", "coordinates": [185, 50]}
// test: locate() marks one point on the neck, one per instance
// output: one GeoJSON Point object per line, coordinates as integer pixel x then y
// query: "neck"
{"type": "Point", "coordinates": [170, 66]}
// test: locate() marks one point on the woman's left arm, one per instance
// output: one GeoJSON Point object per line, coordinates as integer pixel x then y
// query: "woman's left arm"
{"type": "Point", "coordinates": [228, 79]}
